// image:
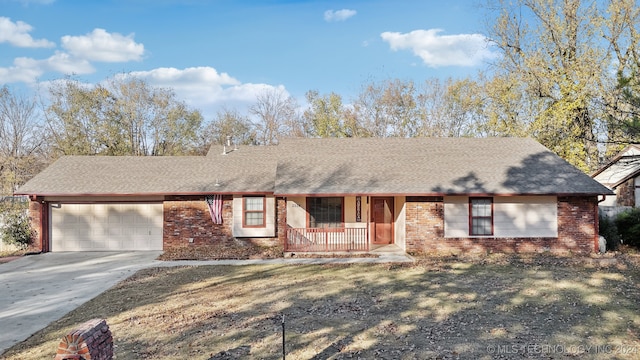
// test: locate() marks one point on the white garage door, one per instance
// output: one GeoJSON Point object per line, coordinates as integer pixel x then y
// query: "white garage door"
{"type": "Point", "coordinates": [106, 227]}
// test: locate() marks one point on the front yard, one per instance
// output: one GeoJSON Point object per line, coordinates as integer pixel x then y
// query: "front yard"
{"type": "Point", "coordinates": [444, 308]}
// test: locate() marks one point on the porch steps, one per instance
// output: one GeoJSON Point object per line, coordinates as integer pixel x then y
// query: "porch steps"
{"type": "Point", "coordinates": [385, 253]}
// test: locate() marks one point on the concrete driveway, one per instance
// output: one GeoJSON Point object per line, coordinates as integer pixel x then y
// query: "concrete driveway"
{"type": "Point", "coordinates": [38, 289]}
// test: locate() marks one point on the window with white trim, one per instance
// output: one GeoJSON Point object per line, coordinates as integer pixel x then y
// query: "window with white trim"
{"type": "Point", "coordinates": [480, 216]}
{"type": "Point", "coordinates": [253, 211]}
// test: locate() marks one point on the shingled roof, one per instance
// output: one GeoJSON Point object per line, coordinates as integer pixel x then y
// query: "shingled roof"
{"type": "Point", "coordinates": [427, 166]}
{"type": "Point", "coordinates": [367, 166]}
{"type": "Point", "coordinates": [246, 170]}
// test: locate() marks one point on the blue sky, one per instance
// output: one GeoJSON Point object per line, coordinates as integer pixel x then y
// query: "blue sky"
{"type": "Point", "coordinates": [222, 52]}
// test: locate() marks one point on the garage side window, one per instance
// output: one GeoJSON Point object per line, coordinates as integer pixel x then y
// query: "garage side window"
{"type": "Point", "coordinates": [253, 211]}
{"type": "Point", "coordinates": [480, 216]}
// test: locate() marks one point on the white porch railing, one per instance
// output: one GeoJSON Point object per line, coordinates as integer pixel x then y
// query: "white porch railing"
{"type": "Point", "coordinates": [326, 239]}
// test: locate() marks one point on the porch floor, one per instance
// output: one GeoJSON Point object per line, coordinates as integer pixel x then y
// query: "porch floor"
{"type": "Point", "coordinates": [386, 249]}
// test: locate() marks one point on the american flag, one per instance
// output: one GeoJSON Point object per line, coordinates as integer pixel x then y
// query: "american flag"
{"type": "Point", "coordinates": [214, 203]}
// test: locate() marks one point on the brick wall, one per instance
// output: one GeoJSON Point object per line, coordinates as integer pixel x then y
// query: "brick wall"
{"type": "Point", "coordinates": [578, 224]}
{"type": "Point", "coordinates": [35, 220]}
{"type": "Point", "coordinates": [626, 193]}
{"type": "Point", "coordinates": [577, 230]}
{"type": "Point", "coordinates": [424, 222]}
{"type": "Point", "coordinates": [281, 220]}
{"type": "Point", "coordinates": [187, 217]}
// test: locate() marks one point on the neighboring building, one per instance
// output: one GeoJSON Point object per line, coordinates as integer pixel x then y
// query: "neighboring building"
{"type": "Point", "coordinates": [622, 175]}
{"type": "Point", "coordinates": [421, 194]}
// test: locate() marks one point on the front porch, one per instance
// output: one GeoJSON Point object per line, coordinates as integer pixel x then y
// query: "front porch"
{"type": "Point", "coordinates": [341, 224]}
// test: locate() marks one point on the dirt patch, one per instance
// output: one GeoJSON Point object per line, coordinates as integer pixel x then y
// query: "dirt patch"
{"type": "Point", "coordinates": [495, 307]}
{"type": "Point", "coordinates": [6, 259]}
{"type": "Point", "coordinates": [7, 256]}
{"type": "Point", "coordinates": [223, 251]}
{"type": "Point", "coordinates": [244, 251]}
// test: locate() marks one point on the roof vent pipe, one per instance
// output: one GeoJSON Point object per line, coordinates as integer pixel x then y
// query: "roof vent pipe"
{"type": "Point", "coordinates": [227, 143]}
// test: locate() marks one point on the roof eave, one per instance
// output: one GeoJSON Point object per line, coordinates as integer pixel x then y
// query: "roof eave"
{"type": "Point", "coordinates": [476, 194]}
{"type": "Point", "coordinates": [625, 179]}
{"type": "Point", "coordinates": [615, 159]}
{"type": "Point", "coordinates": [179, 193]}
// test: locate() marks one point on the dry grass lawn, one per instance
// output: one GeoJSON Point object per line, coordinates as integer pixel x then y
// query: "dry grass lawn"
{"type": "Point", "coordinates": [447, 308]}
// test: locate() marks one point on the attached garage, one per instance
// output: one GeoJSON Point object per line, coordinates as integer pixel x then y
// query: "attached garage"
{"type": "Point", "coordinates": [106, 227]}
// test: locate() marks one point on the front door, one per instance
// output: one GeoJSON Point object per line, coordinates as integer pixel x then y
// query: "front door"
{"type": "Point", "coordinates": [382, 220]}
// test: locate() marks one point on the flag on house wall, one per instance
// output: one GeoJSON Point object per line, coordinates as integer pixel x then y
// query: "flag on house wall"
{"type": "Point", "coordinates": [214, 203]}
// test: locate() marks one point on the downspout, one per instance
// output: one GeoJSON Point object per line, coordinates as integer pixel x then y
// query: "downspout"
{"type": "Point", "coordinates": [596, 221]}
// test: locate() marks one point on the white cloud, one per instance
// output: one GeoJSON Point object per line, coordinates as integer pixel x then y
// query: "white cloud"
{"type": "Point", "coordinates": [64, 63]}
{"type": "Point", "coordinates": [24, 70]}
{"type": "Point", "coordinates": [28, 70]}
{"type": "Point", "coordinates": [200, 82]}
{"type": "Point", "coordinates": [442, 50]}
{"type": "Point", "coordinates": [99, 45]}
{"type": "Point", "coordinates": [203, 88]}
{"type": "Point", "coordinates": [17, 34]}
{"type": "Point", "coordinates": [338, 15]}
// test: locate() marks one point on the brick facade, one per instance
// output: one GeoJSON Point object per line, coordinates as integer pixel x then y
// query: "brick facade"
{"type": "Point", "coordinates": [578, 224]}
{"type": "Point", "coordinates": [424, 222]}
{"type": "Point", "coordinates": [577, 231]}
{"type": "Point", "coordinates": [281, 220]}
{"type": "Point", "coordinates": [626, 193]}
{"type": "Point", "coordinates": [38, 220]}
{"type": "Point", "coordinates": [187, 222]}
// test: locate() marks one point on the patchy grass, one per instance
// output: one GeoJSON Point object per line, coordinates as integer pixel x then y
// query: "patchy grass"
{"type": "Point", "coordinates": [494, 307]}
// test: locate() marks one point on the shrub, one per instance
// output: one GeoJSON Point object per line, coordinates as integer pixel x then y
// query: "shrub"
{"type": "Point", "coordinates": [628, 224]}
{"type": "Point", "coordinates": [609, 230]}
{"type": "Point", "coordinates": [16, 229]}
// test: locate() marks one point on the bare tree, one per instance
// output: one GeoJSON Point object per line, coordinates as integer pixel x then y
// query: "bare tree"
{"type": "Point", "coordinates": [276, 116]}
{"type": "Point", "coordinates": [229, 123]}
{"type": "Point", "coordinates": [20, 140]}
